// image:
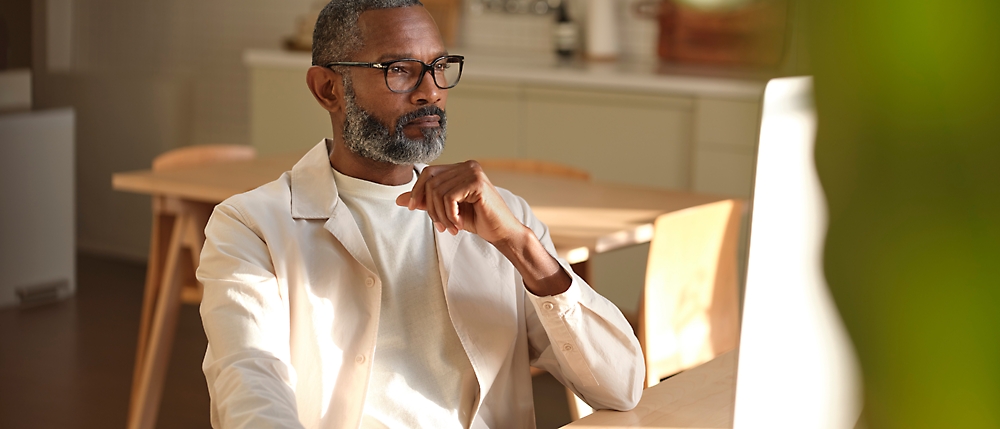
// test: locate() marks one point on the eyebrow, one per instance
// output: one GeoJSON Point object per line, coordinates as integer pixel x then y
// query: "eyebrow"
{"type": "Point", "coordinates": [398, 56]}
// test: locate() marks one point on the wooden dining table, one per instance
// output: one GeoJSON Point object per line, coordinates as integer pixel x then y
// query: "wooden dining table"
{"type": "Point", "coordinates": [584, 217]}
{"type": "Point", "coordinates": [703, 397]}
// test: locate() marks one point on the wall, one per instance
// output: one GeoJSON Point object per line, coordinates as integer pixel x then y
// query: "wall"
{"type": "Point", "coordinates": [146, 77]}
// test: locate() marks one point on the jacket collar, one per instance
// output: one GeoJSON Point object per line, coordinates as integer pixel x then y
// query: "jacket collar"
{"type": "Point", "coordinates": [314, 191]}
{"type": "Point", "coordinates": [315, 196]}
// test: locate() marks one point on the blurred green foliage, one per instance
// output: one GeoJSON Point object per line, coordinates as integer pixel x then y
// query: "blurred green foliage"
{"type": "Point", "coordinates": [908, 153]}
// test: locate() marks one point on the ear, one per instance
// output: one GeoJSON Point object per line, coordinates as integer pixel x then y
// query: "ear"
{"type": "Point", "coordinates": [327, 87]}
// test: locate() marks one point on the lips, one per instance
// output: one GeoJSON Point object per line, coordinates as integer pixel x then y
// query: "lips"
{"type": "Point", "coordinates": [426, 121]}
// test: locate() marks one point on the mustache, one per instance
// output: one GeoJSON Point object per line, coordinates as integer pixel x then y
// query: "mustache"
{"type": "Point", "coordinates": [421, 112]}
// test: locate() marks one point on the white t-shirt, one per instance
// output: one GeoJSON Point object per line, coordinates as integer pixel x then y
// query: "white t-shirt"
{"type": "Point", "coordinates": [421, 376]}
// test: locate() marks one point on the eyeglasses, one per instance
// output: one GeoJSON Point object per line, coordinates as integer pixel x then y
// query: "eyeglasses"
{"type": "Point", "coordinates": [405, 75]}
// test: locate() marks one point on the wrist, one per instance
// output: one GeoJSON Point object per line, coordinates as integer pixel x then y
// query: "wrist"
{"type": "Point", "coordinates": [541, 273]}
{"type": "Point", "coordinates": [515, 241]}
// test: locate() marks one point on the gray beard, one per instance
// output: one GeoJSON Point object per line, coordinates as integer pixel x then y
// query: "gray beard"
{"type": "Point", "coordinates": [367, 137]}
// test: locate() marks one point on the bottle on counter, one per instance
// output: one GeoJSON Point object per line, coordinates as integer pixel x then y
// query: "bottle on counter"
{"type": "Point", "coordinates": [565, 34]}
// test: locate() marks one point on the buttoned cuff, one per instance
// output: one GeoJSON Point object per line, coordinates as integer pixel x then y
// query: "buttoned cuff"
{"type": "Point", "coordinates": [560, 315]}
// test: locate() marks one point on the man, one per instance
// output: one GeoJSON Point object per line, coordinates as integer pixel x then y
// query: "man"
{"type": "Point", "coordinates": [385, 293]}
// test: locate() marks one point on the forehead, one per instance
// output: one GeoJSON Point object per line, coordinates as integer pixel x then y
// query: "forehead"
{"type": "Point", "coordinates": [399, 32]}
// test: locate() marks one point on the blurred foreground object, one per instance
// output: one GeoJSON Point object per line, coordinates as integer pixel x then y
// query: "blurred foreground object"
{"type": "Point", "coordinates": [908, 154]}
{"type": "Point", "coordinates": [797, 369]}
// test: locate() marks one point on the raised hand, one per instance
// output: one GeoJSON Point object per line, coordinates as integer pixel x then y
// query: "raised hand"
{"type": "Point", "coordinates": [461, 197]}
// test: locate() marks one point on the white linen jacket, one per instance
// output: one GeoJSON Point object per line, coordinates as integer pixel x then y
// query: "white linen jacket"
{"type": "Point", "coordinates": [291, 311]}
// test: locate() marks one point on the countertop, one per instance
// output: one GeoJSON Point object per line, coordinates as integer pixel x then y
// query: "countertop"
{"type": "Point", "coordinates": [549, 71]}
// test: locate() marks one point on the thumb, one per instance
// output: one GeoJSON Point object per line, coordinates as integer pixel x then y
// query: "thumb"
{"type": "Point", "coordinates": [403, 199]}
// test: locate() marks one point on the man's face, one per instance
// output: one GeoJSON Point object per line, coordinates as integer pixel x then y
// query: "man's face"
{"type": "Point", "coordinates": [387, 126]}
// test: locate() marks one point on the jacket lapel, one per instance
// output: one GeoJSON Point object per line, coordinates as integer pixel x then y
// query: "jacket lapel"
{"type": "Point", "coordinates": [482, 302]}
{"type": "Point", "coordinates": [480, 285]}
{"type": "Point", "coordinates": [314, 196]}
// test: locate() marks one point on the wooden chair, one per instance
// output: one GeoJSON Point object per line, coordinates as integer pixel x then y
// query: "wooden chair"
{"type": "Point", "coordinates": [689, 309]}
{"type": "Point", "coordinates": [175, 248]}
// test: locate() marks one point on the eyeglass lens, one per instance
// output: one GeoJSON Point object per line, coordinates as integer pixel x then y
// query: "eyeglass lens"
{"type": "Point", "coordinates": [404, 75]}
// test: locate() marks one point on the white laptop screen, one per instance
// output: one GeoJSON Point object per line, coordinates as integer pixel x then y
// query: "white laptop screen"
{"type": "Point", "coordinates": [796, 365]}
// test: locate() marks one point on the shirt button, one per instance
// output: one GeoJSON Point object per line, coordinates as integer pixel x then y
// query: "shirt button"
{"type": "Point", "coordinates": [360, 359]}
{"type": "Point", "coordinates": [567, 347]}
{"type": "Point", "coordinates": [548, 306]}
{"type": "Point", "coordinates": [369, 282]}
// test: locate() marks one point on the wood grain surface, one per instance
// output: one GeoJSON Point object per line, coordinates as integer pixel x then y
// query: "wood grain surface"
{"type": "Point", "coordinates": [702, 397]}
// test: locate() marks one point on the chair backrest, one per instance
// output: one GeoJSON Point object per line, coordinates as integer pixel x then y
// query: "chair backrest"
{"type": "Point", "coordinates": [534, 166]}
{"type": "Point", "coordinates": [689, 310]}
{"type": "Point", "coordinates": [189, 156]}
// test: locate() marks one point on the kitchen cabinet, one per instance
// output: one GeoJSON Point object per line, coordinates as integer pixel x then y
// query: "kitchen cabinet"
{"type": "Point", "coordinates": [484, 121]}
{"type": "Point", "coordinates": [284, 116]}
{"type": "Point", "coordinates": [606, 133]}
{"type": "Point", "coordinates": [725, 137]}
{"type": "Point", "coordinates": [630, 138]}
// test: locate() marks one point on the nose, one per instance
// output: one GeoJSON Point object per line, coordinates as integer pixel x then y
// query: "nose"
{"type": "Point", "coordinates": [427, 92]}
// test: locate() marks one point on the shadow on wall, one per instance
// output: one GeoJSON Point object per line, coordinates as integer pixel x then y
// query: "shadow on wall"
{"type": "Point", "coordinates": [123, 122]}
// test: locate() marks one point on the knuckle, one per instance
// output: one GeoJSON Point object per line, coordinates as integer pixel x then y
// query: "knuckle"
{"type": "Point", "coordinates": [473, 165]}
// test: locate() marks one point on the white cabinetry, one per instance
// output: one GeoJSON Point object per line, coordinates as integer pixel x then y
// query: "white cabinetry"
{"type": "Point", "coordinates": [725, 137]}
{"type": "Point", "coordinates": [37, 222]}
{"type": "Point", "coordinates": [631, 138]}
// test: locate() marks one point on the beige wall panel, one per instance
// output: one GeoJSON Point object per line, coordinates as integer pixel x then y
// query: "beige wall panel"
{"type": "Point", "coordinates": [284, 116]}
{"type": "Point", "coordinates": [723, 172]}
{"type": "Point", "coordinates": [483, 122]}
{"type": "Point", "coordinates": [626, 138]}
{"type": "Point", "coordinates": [725, 122]}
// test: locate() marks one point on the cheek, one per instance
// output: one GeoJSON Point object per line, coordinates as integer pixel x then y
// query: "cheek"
{"type": "Point", "coordinates": [384, 107]}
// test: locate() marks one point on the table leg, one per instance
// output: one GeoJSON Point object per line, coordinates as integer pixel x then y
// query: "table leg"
{"type": "Point", "coordinates": [153, 366]}
{"type": "Point", "coordinates": [163, 226]}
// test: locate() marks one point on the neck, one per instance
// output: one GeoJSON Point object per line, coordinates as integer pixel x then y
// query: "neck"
{"type": "Point", "coordinates": [350, 164]}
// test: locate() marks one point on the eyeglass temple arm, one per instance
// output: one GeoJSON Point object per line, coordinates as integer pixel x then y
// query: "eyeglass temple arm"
{"type": "Point", "coordinates": [357, 64]}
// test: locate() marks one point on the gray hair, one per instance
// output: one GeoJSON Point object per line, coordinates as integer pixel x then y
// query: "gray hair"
{"type": "Point", "coordinates": [337, 34]}
{"type": "Point", "coordinates": [369, 138]}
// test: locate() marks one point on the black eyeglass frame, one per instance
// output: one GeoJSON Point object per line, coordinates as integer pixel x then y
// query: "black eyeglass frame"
{"type": "Point", "coordinates": [384, 66]}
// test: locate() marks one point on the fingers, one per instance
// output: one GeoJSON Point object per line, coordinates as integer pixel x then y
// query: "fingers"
{"type": "Point", "coordinates": [403, 200]}
{"type": "Point", "coordinates": [451, 194]}
{"type": "Point", "coordinates": [440, 190]}
{"type": "Point", "coordinates": [444, 193]}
